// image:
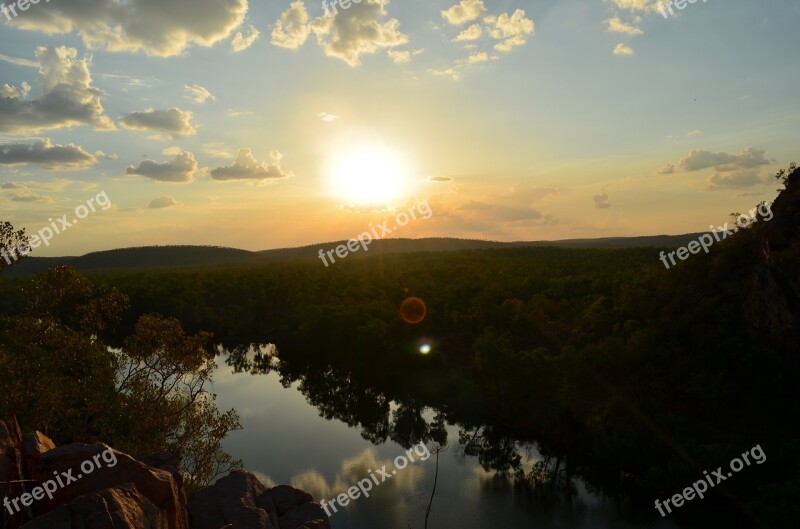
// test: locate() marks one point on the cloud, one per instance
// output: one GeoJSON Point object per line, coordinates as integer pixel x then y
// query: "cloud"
{"type": "Point", "coordinates": [439, 179]}
{"type": "Point", "coordinates": [49, 156]}
{"type": "Point", "coordinates": [157, 28]}
{"type": "Point", "coordinates": [478, 57]}
{"type": "Point", "coordinates": [246, 167]}
{"type": "Point", "coordinates": [623, 49]}
{"type": "Point", "coordinates": [24, 193]}
{"type": "Point", "coordinates": [700, 159]}
{"type": "Point", "coordinates": [731, 171]}
{"type": "Point", "coordinates": [173, 121]}
{"type": "Point", "coordinates": [513, 29]}
{"type": "Point", "coordinates": [216, 150]}
{"type": "Point", "coordinates": [695, 133]}
{"type": "Point", "coordinates": [358, 30]}
{"type": "Point", "coordinates": [239, 113]}
{"type": "Point", "coordinates": [163, 202]}
{"type": "Point", "coordinates": [737, 179]}
{"type": "Point", "coordinates": [68, 97]}
{"type": "Point", "coordinates": [474, 32]}
{"type": "Point", "coordinates": [292, 28]}
{"type": "Point", "coordinates": [324, 116]}
{"type": "Point", "coordinates": [241, 43]}
{"type": "Point", "coordinates": [464, 11]}
{"type": "Point", "coordinates": [637, 5]}
{"type": "Point", "coordinates": [399, 57]}
{"type": "Point", "coordinates": [18, 61]}
{"type": "Point", "coordinates": [617, 25]}
{"type": "Point", "coordinates": [403, 56]}
{"type": "Point", "coordinates": [181, 168]}
{"type": "Point", "coordinates": [601, 201]}
{"type": "Point", "coordinates": [667, 169]}
{"type": "Point", "coordinates": [197, 94]}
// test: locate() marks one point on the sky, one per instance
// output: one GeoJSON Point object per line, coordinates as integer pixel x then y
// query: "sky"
{"type": "Point", "coordinates": [275, 124]}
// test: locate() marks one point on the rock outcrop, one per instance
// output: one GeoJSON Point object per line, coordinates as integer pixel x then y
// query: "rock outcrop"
{"type": "Point", "coordinates": [772, 309]}
{"type": "Point", "coordinates": [240, 501]}
{"type": "Point", "coordinates": [120, 492]}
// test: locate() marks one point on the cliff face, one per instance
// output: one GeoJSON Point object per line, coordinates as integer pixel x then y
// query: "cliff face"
{"type": "Point", "coordinates": [772, 309]}
{"type": "Point", "coordinates": [78, 486]}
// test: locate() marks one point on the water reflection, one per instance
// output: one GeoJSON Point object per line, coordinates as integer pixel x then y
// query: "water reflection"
{"type": "Point", "coordinates": [489, 477]}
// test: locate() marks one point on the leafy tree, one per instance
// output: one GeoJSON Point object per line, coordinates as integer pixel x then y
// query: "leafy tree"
{"type": "Point", "coordinates": [147, 397]}
{"type": "Point", "coordinates": [13, 245]}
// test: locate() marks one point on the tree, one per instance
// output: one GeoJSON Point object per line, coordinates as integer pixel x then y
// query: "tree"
{"type": "Point", "coordinates": [14, 245]}
{"type": "Point", "coordinates": [148, 397]}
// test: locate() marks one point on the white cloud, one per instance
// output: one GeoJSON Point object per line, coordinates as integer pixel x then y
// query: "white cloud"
{"type": "Point", "coordinates": [156, 28]}
{"type": "Point", "coordinates": [324, 116]}
{"type": "Point", "coordinates": [617, 25]}
{"type": "Point", "coordinates": [247, 167]}
{"type": "Point", "coordinates": [623, 49]}
{"type": "Point", "coordinates": [292, 28]}
{"type": "Point", "coordinates": [48, 155]}
{"type": "Point", "coordinates": [241, 42]}
{"type": "Point", "coordinates": [513, 29]}
{"type": "Point", "coordinates": [402, 56]}
{"type": "Point", "coordinates": [637, 5]}
{"type": "Point", "coordinates": [173, 121]}
{"type": "Point", "coordinates": [474, 32]}
{"type": "Point", "coordinates": [358, 30]}
{"type": "Point", "coordinates": [464, 11]}
{"type": "Point", "coordinates": [478, 57]}
{"type": "Point", "coordinates": [17, 61]}
{"type": "Point", "coordinates": [197, 94]}
{"type": "Point", "coordinates": [68, 97]}
{"type": "Point", "coordinates": [181, 168]}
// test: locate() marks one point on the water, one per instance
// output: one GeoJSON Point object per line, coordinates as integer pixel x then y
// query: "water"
{"type": "Point", "coordinates": [286, 441]}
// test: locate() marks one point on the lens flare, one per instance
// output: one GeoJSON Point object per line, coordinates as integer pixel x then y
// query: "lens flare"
{"type": "Point", "coordinates": [413, 310]}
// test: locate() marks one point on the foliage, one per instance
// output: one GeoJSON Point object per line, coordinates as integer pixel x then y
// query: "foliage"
{"type": "Point", "coordinates": [147, 397]}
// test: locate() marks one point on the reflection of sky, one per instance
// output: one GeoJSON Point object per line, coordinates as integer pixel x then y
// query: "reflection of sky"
{"type": "Point", "coordinates": [286, 441]}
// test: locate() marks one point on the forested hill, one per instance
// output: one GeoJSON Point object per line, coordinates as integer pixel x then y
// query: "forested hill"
{"type": "Point", "coordinates": [172, 256]}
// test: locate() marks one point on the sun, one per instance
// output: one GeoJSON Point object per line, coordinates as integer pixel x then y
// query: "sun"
{"type": "Point", "coordinates": [369, 175]}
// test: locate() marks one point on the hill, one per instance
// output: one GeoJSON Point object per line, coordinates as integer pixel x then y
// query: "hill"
{"type": "Point", "coordinates": [175, 256]}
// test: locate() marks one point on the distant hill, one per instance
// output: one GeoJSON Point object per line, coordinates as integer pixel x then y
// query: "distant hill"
{"type": "Point", "coordinates": [174, 256]}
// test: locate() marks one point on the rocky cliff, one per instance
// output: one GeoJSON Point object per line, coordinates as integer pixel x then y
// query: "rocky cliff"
{"type": "Point", "coordinates": [772, 309]}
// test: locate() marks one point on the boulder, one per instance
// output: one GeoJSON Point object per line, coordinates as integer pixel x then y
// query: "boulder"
{"type": "Point", "coordinates": [115, 508]}
{"type": "Point", "coordinates": [158, 486]}
{"type": "Point", "coordinates": [230, 501]}
{"type": "Point", "coordinates": [240, 501]}
{"type": "Point", "coordinates": [284, 497]}
{"type": "Point", "coordinates": [303, 515]}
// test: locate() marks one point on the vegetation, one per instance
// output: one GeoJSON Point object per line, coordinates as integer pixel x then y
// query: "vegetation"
{"type": "Point", "coordinates": [148, 397]}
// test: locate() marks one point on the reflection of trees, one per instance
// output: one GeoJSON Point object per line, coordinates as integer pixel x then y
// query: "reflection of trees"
{"type": "Point", "coordinates": [341, 395]}
{"type": "Point", "coordinates": [495, 450]}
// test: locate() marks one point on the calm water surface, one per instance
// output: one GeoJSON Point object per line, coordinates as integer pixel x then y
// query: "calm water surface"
{"type": "Point", "coordinates": [286, 441]}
